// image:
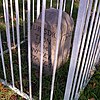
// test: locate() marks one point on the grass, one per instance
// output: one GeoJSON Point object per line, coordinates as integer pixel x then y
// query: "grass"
{"type": "Point", "coordinates": [92, 90]}
{"type": "Point", "coordinates": [6, 93]}
{"type": "Point", "coordinates": [60, 77]}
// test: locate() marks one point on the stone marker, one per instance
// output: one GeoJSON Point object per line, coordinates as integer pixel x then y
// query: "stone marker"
{"type": "Point", "coordinates": [51, 20]}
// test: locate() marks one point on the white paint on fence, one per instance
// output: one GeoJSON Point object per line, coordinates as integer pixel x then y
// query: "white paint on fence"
{"type": "Point", "coordinates": [64, 5]}
{"type": "Point", "coordinates": [58, 35]}
{"type": "Point", "coordinates": [94, 38]}
{"type": "Point", "coordinates": [2, 57]}
{"type": "Point", "coordinates": [29, 48]}
{"type": "Point", "coordinates": [13, 47]}
{"type": "Point", "coordinates": [33, 11]}
{"type": "Point", "coordinates": [87, 44]}
{"type": "Point", "coordinates": [6, 14]}
{"type": "Point", "coordinates": [12, 20]}
{"type": "Point", "coordinates": [38, 8]}
{"type": "Point", "coordinates": [24, 95]}
{"type": "Point", "coordinates": [18, 42]}
{"type": "Point", "coordinates": [80, 56]}
{"type": "Point", "coordinates": [50, 3]}
{"type": "Point", "coordinates": [57, 4]}
{"type": "Point", "coordinates": [42, 41]}
{"type": "Point", "coordinates": [76, 45]}
{"type": "Point", "coordinates": [24, 18]}
{"type": "Point", "coordinates": [72, 7]}
{"type": "Point", "coordinates": [85, 31]}
{"type": "Point", "coordinates": [79, 74]}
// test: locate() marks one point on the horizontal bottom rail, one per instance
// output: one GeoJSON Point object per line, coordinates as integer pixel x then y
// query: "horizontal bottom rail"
{"type": "Point", "coordinates": [24, 95]}
{"type": "Point", "coordinates": [6, 51]}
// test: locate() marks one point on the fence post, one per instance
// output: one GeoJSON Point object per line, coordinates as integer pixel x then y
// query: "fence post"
{"type": "Point", "coordinates": [57, 47]}
{"type": "Point", "coordinates": [76, 46]}
{"type": "Point", "coordinates": [42, 41]}
{"type": "Point", "coordinates": [6, 16]}
{"type": "Point", "coordinates": [2, 58]}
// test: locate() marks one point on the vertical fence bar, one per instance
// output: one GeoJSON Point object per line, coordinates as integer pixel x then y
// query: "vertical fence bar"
{"type": "Point", "coordinates": [38, 8]}
{"type": "Point", "coordinates": [29, 48]}
{"type": "Point", "coordinates": [50, 3]}
{"type": "Point", "coordinates": [92, 59]}
{"type": "Point", "coordinates": [91, 67]}
{"type": "Point", "coordinates": [76, 46]}
{"type": "Point", "coordinates": [57, 4]}
{"type": "Point", "coordinates": [92, 45]}
{"type": "Point", "coordinates": [85, 67]}
{"type": "Point", "coordinates": [58, 36]}
{"type": "Point", "coordinates": [42, 41]}
{"type": "Point", "coordinates": [33, 11]}
{"type": "Point", "coordinates": [82, 46]}
{"type": "Point", "coordinates": [2, 57]}
{"type": "Point", "coordinates": [64, 5]}
{"type": "Point", "coordinates": [88, 40]}
{"type": "Point", "coordinates": [72, 8]}
{"type": "Point", "coordinates": [24, 18]}
{"type": "Point", "coordinates": [6, 14]}
{"type": "Point", "coordinates": [86, 48]}
{"type": "Point", "coordinates": [88, 73]}
{"type": "Point", "coordinates": [18, 42]}
{"type": "Point", "coordinates": [92, 62]}
{"type": "Point", "coordinates": [12, 18]}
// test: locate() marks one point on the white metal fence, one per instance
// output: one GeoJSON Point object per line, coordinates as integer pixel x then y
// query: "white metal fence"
{"type": "Point", "coordinates": [85, 50]}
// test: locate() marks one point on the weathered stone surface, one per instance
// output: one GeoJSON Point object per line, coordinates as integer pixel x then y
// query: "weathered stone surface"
{"type": "Point", "coordinates": [51, 20]}
{"type": "Point", "coordinates": [97, 64]}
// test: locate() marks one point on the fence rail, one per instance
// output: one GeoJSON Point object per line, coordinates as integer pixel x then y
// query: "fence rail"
{"type": "Point", "coordinates": [85, 50]}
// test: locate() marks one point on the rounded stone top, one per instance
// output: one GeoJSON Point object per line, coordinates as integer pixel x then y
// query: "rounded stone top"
{"type": "Point", "coordinates": [50, 38]}
{"type": "Point", "coordinates": [51, 18]}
